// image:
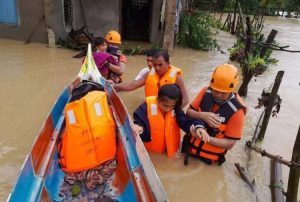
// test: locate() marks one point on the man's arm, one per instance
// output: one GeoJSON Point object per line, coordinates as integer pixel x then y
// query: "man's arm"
{"type": "Point", "coordinates": [140, 118]}
{"type": "Point", "coordinates": [185, 97]}
{"type": "Point", "coordinates": [132, 85]}
{"type": "Point", "coordinates": [222, 143]}
{"type": "Point", "coordinates": [185, 123]}
{"type": "Point", "coordinates": [210, 118]}
{"type": "Point", "coordinates": [119, 70]}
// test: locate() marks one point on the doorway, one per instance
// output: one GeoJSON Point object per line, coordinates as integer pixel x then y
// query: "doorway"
{"type": "Point", "coordinates": [136, 19]}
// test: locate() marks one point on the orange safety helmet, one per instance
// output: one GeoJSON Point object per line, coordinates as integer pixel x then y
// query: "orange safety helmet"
{"type": "Point", "coordinates": [113, 37]}
{"type": "Point", "coordinates": [224, 78]}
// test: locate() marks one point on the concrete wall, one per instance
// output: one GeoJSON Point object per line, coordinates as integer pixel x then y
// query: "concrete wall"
{"type": "Point", "coordinates": [98, 16]}
{"type": "Point", "coordinates": [29, 14]}
{"type": "Point", "coordinates": [156, 36]}
{"type": "Point", "coordinates": [101, 16]}
{"type": "Point", "coordinates": [55, 18]}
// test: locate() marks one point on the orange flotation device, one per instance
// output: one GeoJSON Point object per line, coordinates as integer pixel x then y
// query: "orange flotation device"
{"type": "Point", "coordinates": [89, 138]}
{"type": "Point", "coordinates": [153, 82]}
{"type": "Point", "coordinates": [207, 151]}
{"type": "Point", "coordinates": [165, 133]}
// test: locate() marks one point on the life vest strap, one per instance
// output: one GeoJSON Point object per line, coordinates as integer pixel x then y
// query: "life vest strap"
{"type": "Point", "coordinates": [199, 149]}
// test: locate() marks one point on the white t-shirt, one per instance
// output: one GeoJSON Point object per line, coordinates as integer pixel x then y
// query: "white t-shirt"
{"type": "Point", "coordinates": [142, 73]}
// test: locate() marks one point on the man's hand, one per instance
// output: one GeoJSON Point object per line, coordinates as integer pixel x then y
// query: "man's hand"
{"type": "Point", "coordinates": [137, 129]}
{"type": "Point", "coordinates": [72, 85]}
{"type": "Point", "coordinates": [115, 86]}
{"type": "Point", "coordinates": [199, 133]}
{"type": "Point", "coordinates": [212, 119]}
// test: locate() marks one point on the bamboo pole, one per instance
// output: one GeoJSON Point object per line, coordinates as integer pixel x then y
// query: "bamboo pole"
{"type": "Point", "coordinates": [227, 19]}
{"type": "Point", "coordinates": [234, 18]}
{"type": "Point", "coordinates": [276, 181]}
{"type": "Point", "coordinates": [241, 18]}
{"type": "Point", "coordinates": [278, 158]}
{"type": "Point", "coordinates": [294, 175]}
{"type": "Point", "coordinates": [269, 107]}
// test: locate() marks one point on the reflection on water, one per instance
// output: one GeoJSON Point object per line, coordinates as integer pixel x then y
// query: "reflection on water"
{"type": "Point", "coordinates": [32, 76]}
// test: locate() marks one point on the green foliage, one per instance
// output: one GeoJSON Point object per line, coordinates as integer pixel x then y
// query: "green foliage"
{"type": "Point", "coordinates": [253, 61]}
{"type": "Point", "coordinates": [237, 52]}
{"type": "Point", "coordinates": [195, 31]}
{"type": "Point", "coordinates": [251, 6]}
{"type": "Point", "coordinates": [132, 51]}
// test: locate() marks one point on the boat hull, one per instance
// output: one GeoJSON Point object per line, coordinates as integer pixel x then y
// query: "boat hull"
{"type": "Point", "coordinates": [41, 177]}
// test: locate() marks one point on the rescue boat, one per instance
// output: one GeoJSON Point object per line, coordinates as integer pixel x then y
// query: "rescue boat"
{"type": "Point", "coordinates": [41, 177]}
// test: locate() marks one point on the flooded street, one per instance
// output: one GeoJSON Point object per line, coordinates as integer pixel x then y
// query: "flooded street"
{"type": "Point", "coordinates": [32, 77]}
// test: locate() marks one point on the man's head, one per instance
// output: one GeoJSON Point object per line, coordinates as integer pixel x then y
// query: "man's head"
{"type": "Point", "coordinates": [161, 62]}
{"type": "Point", "coordinates": [223, 82]}
{"type": "Point", "coordinates": [113, 40]}
{"type": "Point", "coordinates": [149, 55]}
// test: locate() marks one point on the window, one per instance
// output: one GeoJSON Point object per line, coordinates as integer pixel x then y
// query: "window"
{"type": "Point", "coordinates": [8, 12]}
{"type": "Point", "coordinates": [68, 14]}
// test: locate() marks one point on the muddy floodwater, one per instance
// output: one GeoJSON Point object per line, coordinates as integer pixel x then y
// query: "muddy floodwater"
{"type": "Point", "coordinates": [33, 75]}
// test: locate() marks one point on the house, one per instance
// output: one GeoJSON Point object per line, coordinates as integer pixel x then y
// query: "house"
{"type": "Point", "coordinates": [134, 19]}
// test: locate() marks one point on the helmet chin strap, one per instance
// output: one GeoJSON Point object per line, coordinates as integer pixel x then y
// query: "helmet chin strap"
{"type": "Point", "coordinates": [218, 101]}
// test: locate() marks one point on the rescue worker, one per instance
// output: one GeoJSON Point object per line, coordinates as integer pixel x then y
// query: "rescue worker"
{"type": "Point", "coordinates": [113, 41]}
{"type": "Point", "coordinates": [146, 70]}
{"type": "Point", "coordinates": [157, 121]}
{"type": "Point", "coordinates": [162, 73]}
{"type": "Point", "coordinates": [223, 112]}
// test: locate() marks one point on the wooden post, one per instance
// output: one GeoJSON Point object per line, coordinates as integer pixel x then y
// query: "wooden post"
{"type": "Point", "coordinates": [269, 107]}
{"type": "Point", "coordinates": [241, 18]}
{"type": "Point", "coordinates": [228, 21]}
{"type": "Point", "coordinates": [294, 175]}
{"type": "Point", "coordinates": [220, 18]}
{"type": "Point", "coordinates": [269, 40]}
{"type": "Point", "coordinates": [276, 181]}
{"type": "Point", "coordinates": [234, 17]}
{"type": "Point", "coordinates": [170, 25]}
{"type": "Point", "coordinates": [247, 73]}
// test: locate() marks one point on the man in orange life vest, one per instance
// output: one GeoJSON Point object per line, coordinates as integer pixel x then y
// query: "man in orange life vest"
{"type": "Point", "coordinates": [162, 73]}
{"type": "Point", "coordinates": [157, 121]}
{"type": "Point", "coordinates": [223, 112]}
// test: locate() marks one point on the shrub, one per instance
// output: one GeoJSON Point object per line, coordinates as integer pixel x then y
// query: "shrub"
{"type": "Point", "coordinates": [195, 31]}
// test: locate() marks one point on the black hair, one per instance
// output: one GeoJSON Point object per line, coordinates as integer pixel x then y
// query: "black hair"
{"type": "Point", "coordinates": [98, 41]}
{"type": "Point", "coordinates": [171, 91]}
{"type": "Point", "coordinates": [150, 52]}
{"type": "Point", "coordinates": [161, 53]}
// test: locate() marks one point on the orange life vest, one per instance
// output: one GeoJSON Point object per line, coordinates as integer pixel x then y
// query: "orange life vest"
{"type": "Point", "coordinates": [89, 138]}
{"type": "Point", "coordinates": [207, 151]}
{"type": "Point", "coordinates": [165, 133]}
{"type": "Point", "coordinates": [153, 82]}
